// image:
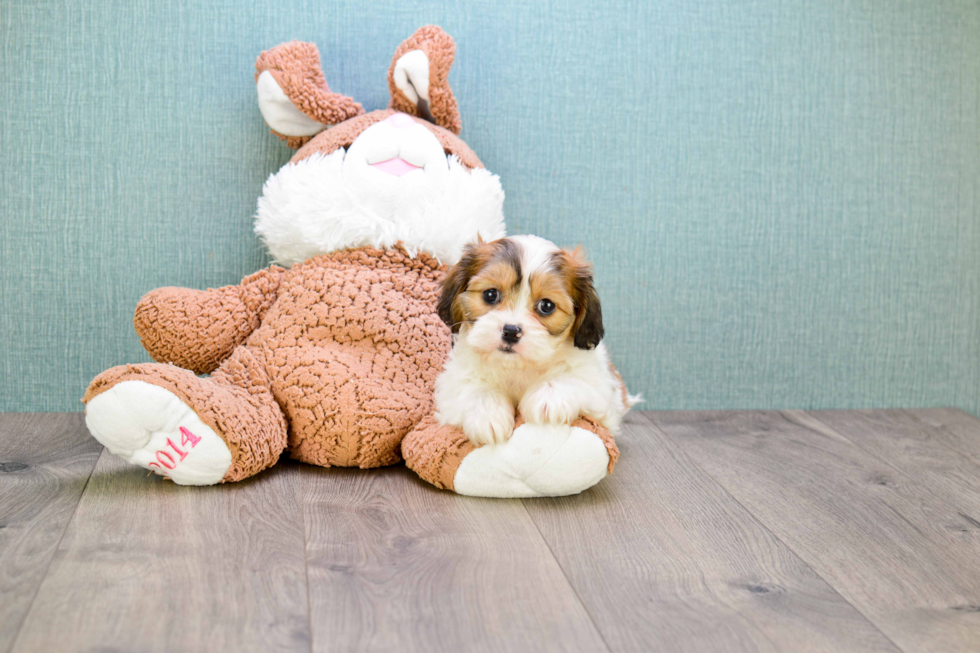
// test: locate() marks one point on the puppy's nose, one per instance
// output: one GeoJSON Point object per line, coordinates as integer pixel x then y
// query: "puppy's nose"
{"type": "Point", "coordinates": [510, 334]}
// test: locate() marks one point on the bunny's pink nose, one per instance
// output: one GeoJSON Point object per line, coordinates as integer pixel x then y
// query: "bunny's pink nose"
{"type": "Point", "coordinates": [400, 120]}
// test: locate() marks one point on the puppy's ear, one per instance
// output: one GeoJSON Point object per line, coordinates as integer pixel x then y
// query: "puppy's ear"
{"type": "Point", "coordinates": [455, 282]}
{"type": "Point", "coordinates": [587, 329]}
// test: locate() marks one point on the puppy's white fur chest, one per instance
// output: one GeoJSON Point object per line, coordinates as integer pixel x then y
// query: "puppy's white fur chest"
{"type": "Point", "coordinates": [513, 382]}
{"type": "Point", "coordinates": [471, 385]}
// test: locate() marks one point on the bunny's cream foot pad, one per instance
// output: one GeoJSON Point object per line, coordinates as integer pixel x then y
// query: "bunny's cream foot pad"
{"type": "Point", "coordinates": [151, 427]}
{"type": "Point", "coordinates": [538, 460]}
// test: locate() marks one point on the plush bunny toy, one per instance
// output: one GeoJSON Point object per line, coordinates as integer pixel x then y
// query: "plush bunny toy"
{"type": "Point", "coordinates": [334, 355]}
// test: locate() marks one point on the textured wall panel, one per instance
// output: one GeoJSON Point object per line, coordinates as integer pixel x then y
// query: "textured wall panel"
{"type": "Point", "coordinates": [782, 197]}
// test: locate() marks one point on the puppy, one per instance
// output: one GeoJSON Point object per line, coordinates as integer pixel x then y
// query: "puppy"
{"type": "Point", "coordinates": [527, 328]}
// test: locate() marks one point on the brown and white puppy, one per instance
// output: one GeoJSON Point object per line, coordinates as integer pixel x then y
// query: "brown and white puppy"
{"type": "Point", "coordinates": [527, 328]}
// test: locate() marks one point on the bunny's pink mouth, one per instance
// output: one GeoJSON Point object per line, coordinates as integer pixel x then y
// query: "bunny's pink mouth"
{"type": "Point", "coordinates": [396, 167]}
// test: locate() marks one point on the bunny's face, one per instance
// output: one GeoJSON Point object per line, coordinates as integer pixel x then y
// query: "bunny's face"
{"type": "Point", "coordinates": [396, 175]}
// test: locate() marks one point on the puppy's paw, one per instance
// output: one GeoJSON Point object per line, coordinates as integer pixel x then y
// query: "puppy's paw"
{"type": "Point", "coordinates": [547, 404]}
{"type": "Point", "coordinates": [492, 423]}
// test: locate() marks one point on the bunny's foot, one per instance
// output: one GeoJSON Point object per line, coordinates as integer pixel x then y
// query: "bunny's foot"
{"type": "Point", "coordinates": [151, 427]}
{"type": "Point", "coordinates": [192, 430]}
{"type": "Point", "coordinates": [537, 461]}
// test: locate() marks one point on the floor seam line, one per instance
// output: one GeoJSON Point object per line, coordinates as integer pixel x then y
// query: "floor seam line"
{"type": "Point", "coordinates": [910, 412]}
{"type": "Point", "coordinates": [885, 461]}
{"type": "Point", "coordinates": [564, 575]}
{"type": "Point", "coordinates": [47, 569]}
{"type": "Point", "coordinates": [306, 565]}
{"type": "Point", "coordinates": [761, 524]}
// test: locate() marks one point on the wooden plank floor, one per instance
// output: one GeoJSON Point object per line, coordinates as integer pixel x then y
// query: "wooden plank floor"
{"type": "Point", "coordinates": [718, 531]}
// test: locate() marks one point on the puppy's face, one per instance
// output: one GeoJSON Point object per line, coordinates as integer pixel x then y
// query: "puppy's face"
{"type": "Point", "coordinates": [518, 300]}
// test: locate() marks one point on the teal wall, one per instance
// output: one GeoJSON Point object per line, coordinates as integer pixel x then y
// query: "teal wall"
{"type": "Point", "coordinates": [782, 197]}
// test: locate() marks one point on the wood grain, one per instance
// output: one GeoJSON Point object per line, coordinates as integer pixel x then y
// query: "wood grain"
{"type": "Point", "coordinates": [665, 560]}
{"type": "Point", "coordinates": [873, 533]}
{"type": "Point", "coordinates": [718, 531]}
{"type": "Point", "coordinates": [151, 566]}
{"type": "Point", "coordinates": [917, 450]}
{"type": "Point", "coordinates": [45, 461]}
{"type": "Point", "coordinates": [957, 430]}
{"type": "Point", "coordinates": [395, 564]}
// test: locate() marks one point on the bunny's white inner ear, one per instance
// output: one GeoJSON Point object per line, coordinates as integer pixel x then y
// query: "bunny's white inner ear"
{"type": "Point", "coordinates": [412, 76]}
{"type": "Point", "coordinates": [279, 111]}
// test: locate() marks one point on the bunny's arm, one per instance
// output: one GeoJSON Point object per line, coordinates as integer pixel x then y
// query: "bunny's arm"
{"type": "Point", "coordinates": [197, 329]}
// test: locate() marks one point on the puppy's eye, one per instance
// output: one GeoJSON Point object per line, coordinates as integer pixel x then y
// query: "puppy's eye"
{"type": "Point", "coordinates": [546, 307]}
{"type": "Point", "coordinates": [491, 295]}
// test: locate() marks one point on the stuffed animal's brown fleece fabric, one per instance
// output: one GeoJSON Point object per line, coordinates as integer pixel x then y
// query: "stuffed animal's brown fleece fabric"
{"type": "Point", "coordinates": [343, 348]}
{"type": "Point", "coordinates": [333, 356]}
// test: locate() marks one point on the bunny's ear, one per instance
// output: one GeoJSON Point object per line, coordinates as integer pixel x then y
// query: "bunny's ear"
{"type": "Point", "coordinates": [418, 78]}
{"type": "Point", "coordinates": [293, 95]}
